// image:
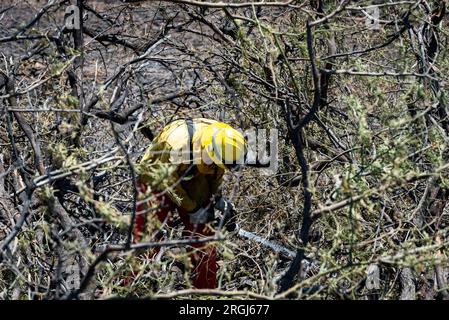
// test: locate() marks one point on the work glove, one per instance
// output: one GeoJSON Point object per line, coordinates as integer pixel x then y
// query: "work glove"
{"type": "Point", "coordinates": [201, 216]}
{"type": "Point", "coordinates": [228, 210]}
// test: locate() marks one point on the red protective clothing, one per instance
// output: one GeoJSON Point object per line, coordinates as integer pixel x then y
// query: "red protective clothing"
{"type": "Point", "coordinates": [203, 256]}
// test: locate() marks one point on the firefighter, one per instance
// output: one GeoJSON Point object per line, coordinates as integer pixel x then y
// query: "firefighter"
{"type": "Point", "coordinates": [198, 152]}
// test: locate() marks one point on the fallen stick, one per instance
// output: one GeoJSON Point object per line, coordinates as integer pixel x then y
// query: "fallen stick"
{"type": "Point", "coordinates": [266, 243]}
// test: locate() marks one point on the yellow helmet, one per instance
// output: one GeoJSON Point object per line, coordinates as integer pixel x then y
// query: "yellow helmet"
{"type": "Point", "coordinates": [224, 145]}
